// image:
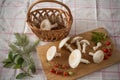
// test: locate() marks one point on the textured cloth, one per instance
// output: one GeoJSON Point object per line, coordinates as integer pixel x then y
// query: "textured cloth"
{"type": "Point", "coordinates": [87, 15]}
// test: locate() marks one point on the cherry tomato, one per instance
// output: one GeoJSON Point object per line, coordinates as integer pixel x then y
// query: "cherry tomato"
{"type": "Point", "coordinates": [53, 70]}
{"type": "Point", "coordinates": [109, 54]}
{"type": "Point", "coordinates": [59, 72]}
{"type": "Point", "coordinates": [108, 43]}
{"type": "Point", "coordinates": [105, 57]}
{"type": "Point", "coordinates": [105, 50]}
{"type": "Point", "coordinates": [65, 74]}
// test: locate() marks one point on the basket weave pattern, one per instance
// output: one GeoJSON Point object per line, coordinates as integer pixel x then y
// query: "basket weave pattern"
{"type": "Point", "coordinates": [59, 16]}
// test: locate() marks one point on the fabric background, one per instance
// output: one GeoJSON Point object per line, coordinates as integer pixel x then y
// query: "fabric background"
{"type": "Point", "coordinates": [87, 15]}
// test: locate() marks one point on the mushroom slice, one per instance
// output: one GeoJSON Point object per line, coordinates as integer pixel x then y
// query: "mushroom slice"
{"type": "Point", "coordinates": [98, 56]}
{"type": "Point", "coordinates": [51, 53]}
{"type": "Point", "coordinates": [74, 58]}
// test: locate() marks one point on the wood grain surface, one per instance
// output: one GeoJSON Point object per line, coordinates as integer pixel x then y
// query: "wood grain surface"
{"type": "Point", "coordinates": [82, 69]}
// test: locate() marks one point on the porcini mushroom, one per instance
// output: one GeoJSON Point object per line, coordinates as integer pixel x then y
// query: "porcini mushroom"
{"type": "Point", "coordinates": [77, 41]}
{"type": "Point", "coordinates": [46, 25]}
{"type": "Point", "coordinates": [99, 44]}
{"type": "Point", "coordinates": [98, 56]}
{"type": "Point", "coordinates": [52, 52]}
{"type": "Point", "coordinates": [75, 58]}
{"type": "Point", "coordinates": [85, 43]}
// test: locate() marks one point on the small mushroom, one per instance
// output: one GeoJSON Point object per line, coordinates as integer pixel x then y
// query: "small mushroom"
{"type": "Point", "coordinates": [85, 43]}
{"type": "Point", "coordinates": [98, 56]}
{"type": "Point", "coordinates": [99, 44]}
{"type": "Point", "coordinates": [46, 25]}
{"type": "Point", "coordinates": [52, 52]}
{"type": "Point", "coordinates": [75, 58]}
{"type": "Point", "coordinates": [64, 43]}
{"type": "Point", "coordinates": [77, 41]}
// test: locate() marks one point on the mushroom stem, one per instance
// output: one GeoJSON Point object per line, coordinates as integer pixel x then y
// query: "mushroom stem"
{"type": "Point", "coordinates": [84, 48]}
{"type": "Point", "coordinates": [68, 47]}
{"type": "Point", "coordinates": [57, 54]}
{"type": "Point", "coordinates": [54, 25]}
{"type": "Point", "coordinates": [78, 45]}
{"type": "Point", "coordinates": [84, 61]}
{"type": "Point", "coordinates": [91, 54]}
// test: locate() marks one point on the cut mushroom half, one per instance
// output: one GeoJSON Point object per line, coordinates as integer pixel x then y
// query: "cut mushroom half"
{"type": "Point", "coordinates": [85, 44]}
{"type": "Point", "coordinates": [75, 58]}
{"type": "Point", "coordinates": [52, 52]}
{"type": "Point", "coordinates": [99, 44]}
{"type": "Point", "coordinates": [46, 25]}
{"type": "Point", "coordinates": [77, 41]}
{"type": "Point", "coordinates": [98, 56]}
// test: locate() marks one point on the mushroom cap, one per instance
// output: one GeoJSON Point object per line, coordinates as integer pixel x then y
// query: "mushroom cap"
{"type": "Point", "coordinates": [74, 58]}
{"type": "Point", "coordinates": [62, 42]}
{"type": "Point", "coordinates": [45, 25]}
{"type": "Point", "coordinates": [51, 53]}
{"type": "Point", "coordinates": [98, 56]}
{"type": "Point", "coordinates": [85, 41]}
{"type": "Point", "coordinates": [76, 38]}
{"type": "Point", "coordinates": [99, 43]}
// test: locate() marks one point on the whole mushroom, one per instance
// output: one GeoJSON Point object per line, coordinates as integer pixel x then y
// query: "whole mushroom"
{"type": "Point", "coordinates": [98, 56]}
{"type": "Point", "coordinates": [99, 44]}
{"type": "Point", "coordinates": [46, 25]}
{"type": "Point", "coordinates": [85, 44]}
{"type": "Point", "coordinates": [77, 41]}
{"type": "Point", "coordinates": [74, 58]}
{"type": "Point", "coordinates": [52, 52]}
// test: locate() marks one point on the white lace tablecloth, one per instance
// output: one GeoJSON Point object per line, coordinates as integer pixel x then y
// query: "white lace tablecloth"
{"type": "Point", "coordinates": [87, 14]}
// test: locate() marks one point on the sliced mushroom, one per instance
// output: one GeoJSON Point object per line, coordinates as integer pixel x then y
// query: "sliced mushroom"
{"type": "Point", "coordinates": [46, 25]}
{"type": "Point", "coordinates": [75, 58]}
{"type": "Point", "coordinates": [85, 43]}
{"type": "Point", "coordinates": [52, 52]}
{"type": "Point", "coordinates": [98, 56]}
{"type": "Point", "coordinates": [99, 44]}
{"type": "Point", "coordinates": [77, 41]}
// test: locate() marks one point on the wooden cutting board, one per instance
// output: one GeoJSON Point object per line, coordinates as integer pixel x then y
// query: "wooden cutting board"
{"type": "Point", "coordinates": [82, 69]}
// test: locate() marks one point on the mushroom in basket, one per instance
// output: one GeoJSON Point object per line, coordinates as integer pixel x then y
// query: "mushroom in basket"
{"type": "Point", "coordinates": [46, 25]}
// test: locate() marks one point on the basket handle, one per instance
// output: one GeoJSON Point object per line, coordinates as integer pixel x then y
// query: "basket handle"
{"type": "Point", "coordinates": [52, 1]}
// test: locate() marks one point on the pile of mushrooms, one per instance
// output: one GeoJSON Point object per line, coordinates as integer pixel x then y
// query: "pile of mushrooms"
{"type": "Point", "coordinates": [75, 56]}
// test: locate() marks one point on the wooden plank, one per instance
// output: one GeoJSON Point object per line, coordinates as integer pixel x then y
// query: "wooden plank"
{"type": "Point", "coordinates": [82, 69]}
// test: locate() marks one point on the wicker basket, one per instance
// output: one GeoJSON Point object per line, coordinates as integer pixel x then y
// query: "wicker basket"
{"type": "Point", "coordinates": [63, 18]}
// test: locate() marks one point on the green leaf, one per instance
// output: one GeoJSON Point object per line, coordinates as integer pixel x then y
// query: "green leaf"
{"type": "Point", "coordinates": [98, 37]}
{"type": "Point", "coordinates": [13, 48]}
{"type": "Point", "coordinates": [32, 68]}
{"type": "Point", "coordinates": [19, 60]}
{"type": "Point", "coordinates": [17, 66]}
{"type": "Point", "coordinates": [6, 61]}
{"type": "Point", "coordinates": [21, 76]}
{"type": "Point", "coordinates": [8, 65]}
{"type": "Point", "coordinates": [10, 55]}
